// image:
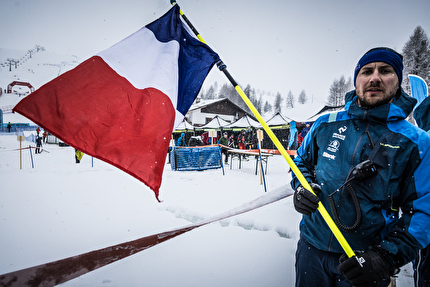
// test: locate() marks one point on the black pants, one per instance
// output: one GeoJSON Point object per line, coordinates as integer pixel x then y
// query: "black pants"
{"type": "Point", "coordinates": [316, 267]}
{"type": "Point", "coordinates": [225, 152]}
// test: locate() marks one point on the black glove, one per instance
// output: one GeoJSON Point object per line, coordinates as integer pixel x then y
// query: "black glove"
{"type": "Point", "coordinates": [305, 201]}
{"type": "Point", "coordinates": [368, 268]}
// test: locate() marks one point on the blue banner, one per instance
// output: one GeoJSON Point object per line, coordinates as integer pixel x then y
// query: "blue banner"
{"type": "Point", "coordinates": [419, 88]}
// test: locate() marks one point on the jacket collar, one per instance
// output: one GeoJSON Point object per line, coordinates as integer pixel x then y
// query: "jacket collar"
{"type": "Point", "coordinates": [399, 109]}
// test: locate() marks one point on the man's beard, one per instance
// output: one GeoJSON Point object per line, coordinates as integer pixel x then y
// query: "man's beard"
{"type": "Point", "coordinates": [366, 104]}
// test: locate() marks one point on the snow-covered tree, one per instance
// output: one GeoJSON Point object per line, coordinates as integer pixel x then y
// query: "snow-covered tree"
{"type": "Point", "coordinates": [228, 91]}
{"type": "Point", "coordinates": [278, 102]}
{"type": "Point", "coordinates": [338, 90]}
{"type": "Point", "coordinates": [302, 97]}
{"type": "Point", "coordinates": [259, 104]}
{"type": "Point", "coordinates": [267, 107]}
{"type": "Point", "coordinates": [290, 100]}
{"type": "Point", "coordinates": [252, 96]}
{"type": "Point", "coordinates": [210, 94]}
{"type": "Point", "coordinates": [250, 92]}
{"type": "Point", "coordinates": [416, 57]}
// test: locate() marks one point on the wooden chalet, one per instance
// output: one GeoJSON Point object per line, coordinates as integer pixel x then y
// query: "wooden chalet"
{"type": "Point", "coordinates": [203, 111]}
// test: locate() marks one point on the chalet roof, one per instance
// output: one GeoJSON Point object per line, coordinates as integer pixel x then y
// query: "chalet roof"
{"type": "Point", "coordinates": [204, 103]}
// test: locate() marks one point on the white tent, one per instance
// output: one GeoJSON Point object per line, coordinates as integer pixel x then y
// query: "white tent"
{"type": "Point", "coordinates": [325, 110]}
{"type": "Point", "coordinates": [216, 123]}
{"type": "Point", "coordinates": [184, 125]}
{"type": "Point", "coordinates": [278, 120]}
{"type": "Point", "coordinates": [244, 122]}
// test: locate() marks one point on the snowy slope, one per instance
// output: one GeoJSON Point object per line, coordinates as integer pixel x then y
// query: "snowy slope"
{"type": "Point", "coordinates": [42, 67]}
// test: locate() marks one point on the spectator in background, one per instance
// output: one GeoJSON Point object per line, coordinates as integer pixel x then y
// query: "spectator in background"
{"type": "Point", "coordinates": [292, 141]}
{"type": "Point", "coordinates": [38, 144]}
{"type": "Point", "coordinates": [241, 140]}
{"type": "Point", "coordinates": [224, 142]}
{"type": "Point", "coordinates": [181, 140]}
{"type": "Point", "coordinates": [231, 142]}
{"type": "Point", "coordinates": [45, 134]}
{"type": "Point", "coordinates": [303, 133]}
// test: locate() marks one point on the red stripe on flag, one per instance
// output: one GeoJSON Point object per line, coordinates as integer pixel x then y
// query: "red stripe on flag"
{"type": "Point", "coordinates": [97, 111]}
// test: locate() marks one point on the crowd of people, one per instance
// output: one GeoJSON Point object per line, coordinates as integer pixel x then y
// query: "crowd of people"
{"type": "Point", "coordinates": [245, 139]}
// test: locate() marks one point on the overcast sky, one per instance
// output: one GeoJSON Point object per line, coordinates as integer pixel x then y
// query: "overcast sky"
{"type": "Point", "coordinates": [273, 45]}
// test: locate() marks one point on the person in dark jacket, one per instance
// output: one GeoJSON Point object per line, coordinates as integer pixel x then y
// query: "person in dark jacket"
{"type": "Point", "coordinates": [303, 133]}
{"type": "Point", "coordinates": [38, 145]}
{"type": "Point", "coordinates": [369, 167]}
{"type": "Point", "coordinates": [422, 263]}
{"type": "Point", "coordinates": [241, 139]}
{"type": "Point", "coordinates": [224, 142]}
{"type": "Point", "coordinates": [231, 142]}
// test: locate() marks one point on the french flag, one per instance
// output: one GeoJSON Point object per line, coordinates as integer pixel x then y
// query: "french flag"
{"type": "Point", "coordinates": [122, 105]}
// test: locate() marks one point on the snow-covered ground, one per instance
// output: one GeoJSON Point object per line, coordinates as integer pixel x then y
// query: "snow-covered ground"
{"type": "Point", "coordinates": [59, 209]}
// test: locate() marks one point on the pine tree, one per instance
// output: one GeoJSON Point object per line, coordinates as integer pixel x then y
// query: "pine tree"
{"type": "Point", "coordinates": [302, 97]}
{"type": "Point", "coordinates": [290, 100]}
{"type": "Point", "coordinates": [278, 102]}
{"type": "Point", "coordinates": [227, 91]}
{"type": "Point", "coordinates": [210, 95]}
{"type": "Point", "coordinates": [267, 107]}
{"type": "Point", "coordinates": [416, 57]}
{"type": "Point", "coordinates": [259, 104]}
{"type": "Point", "coordinates": [338, 90]}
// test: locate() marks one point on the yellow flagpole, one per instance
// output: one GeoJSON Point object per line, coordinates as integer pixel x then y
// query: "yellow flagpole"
{"type": "Point", "coordinates": [333, 227]}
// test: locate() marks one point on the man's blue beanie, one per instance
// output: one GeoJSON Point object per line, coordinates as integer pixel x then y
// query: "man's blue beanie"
{"type": "Point", "coordinates": [385, 55]}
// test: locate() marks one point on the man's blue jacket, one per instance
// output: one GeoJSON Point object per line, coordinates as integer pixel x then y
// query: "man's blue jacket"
{"type": "Point", "coordinates": [394, 203]}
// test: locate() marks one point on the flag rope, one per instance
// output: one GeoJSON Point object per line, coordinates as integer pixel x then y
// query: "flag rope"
{"type": "Point", "coordinates": [222, 67]}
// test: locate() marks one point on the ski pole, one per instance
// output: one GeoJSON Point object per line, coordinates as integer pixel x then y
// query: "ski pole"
{"type": "Point", "coordinates": [31, 156]}
{"type": "Point", "coordinates": [326, 216]}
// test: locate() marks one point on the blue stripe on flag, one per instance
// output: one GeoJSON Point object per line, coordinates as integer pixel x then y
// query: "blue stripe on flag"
{"type": "Point", "coordinates": [195, 58]}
